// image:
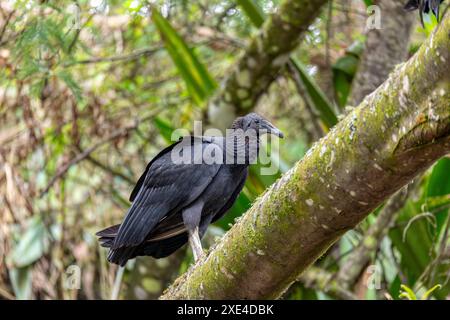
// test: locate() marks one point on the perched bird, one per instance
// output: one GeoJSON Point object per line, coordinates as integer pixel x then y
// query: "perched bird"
{"type": "Point", "coordinates": [424, 6]}
{"type": "Point", "coordinates": [184, 189]}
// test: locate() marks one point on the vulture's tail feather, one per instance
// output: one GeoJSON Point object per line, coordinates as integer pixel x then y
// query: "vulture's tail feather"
{"type": "Point", "coordinates": [156, 248]}
{"type": "Point", "coordinates": [165, 247]}
{"type": "Point", "coordinates": [118, 256]}
{"type": "Point", "coordinates": [107, 236]}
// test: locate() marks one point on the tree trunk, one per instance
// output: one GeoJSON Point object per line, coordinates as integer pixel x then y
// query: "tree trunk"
{"type": "Point", "coordinates": [384, 48]}
{"type": "Point", "coordinates": [266, 54]}
{"type": "Point", "coordinates": [396, 133]}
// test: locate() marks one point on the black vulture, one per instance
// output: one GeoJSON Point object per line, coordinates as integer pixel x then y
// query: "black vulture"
{"type": "Point", "coordinates": [186, 187]}
{"type": "Point", "coordinates": [424, 6]}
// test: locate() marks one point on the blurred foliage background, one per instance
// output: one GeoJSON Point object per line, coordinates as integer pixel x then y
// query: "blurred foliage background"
{"type": "Point", "coordinates": [91, 90]}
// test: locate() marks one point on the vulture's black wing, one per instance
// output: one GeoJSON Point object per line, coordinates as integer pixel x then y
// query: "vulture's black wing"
{"type": "Point", "coordinates": [138, 185]}
{"type": "Point", "coordinates": [166, 187]}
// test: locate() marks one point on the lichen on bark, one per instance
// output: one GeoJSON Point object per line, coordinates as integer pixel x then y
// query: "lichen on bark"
{"type": "Point", "coordinates": [396, 133]}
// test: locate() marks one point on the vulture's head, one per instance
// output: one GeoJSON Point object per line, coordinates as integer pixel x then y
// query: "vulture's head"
{"type": "Point", "coordinates": [254, 121]}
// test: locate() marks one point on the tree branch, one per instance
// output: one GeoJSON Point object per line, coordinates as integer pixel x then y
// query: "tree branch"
{"type": "Point", "coordinates": [396, 133]}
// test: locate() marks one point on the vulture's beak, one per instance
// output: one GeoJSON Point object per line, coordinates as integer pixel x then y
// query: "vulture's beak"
{"type": "Point", "coordinates": [272, 129]}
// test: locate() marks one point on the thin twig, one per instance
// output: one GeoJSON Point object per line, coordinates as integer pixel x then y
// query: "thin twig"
{"type": "Point", "coordinates": [108, 169]}
{"type": "Point", "coordinates": [87, 152]}
{"type": "Point", "coordinates": [125, 57]}
{"type": "Point", "coordinates": [5, 25]}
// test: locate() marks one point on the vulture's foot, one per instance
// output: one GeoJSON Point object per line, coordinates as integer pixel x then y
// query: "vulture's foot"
{"type": "Point", "coordinates": [196, 245]}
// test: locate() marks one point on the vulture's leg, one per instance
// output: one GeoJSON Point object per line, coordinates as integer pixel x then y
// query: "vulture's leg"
{"type": "Point", "coordinates": [191, 218]}
{"type": "Point", "coordinates": [196, 245]}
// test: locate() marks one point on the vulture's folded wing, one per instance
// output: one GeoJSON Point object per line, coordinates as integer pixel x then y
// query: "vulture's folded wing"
{"type": "Point", "coordinates": [167, 187]}
{"type": "Point", "coordinates": [138, 185]}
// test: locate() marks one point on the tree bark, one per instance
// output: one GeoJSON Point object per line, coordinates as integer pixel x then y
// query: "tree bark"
{"type": "Point", "coordinates": [396, 133]}
{"type": "Point", "coordinates": [384, 48]}
{"type": "Point", "coordinates": [266, 54]}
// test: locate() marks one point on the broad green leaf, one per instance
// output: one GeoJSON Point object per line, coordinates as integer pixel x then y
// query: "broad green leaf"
{"type": "Point", "coordinates": [252, 11]}
{"type": "Point", "coordinates": [342, 85]}
{"type": "Point", "coordinates": [344, 70]}
{"type": "Point", "coordinates": [439, 185]}
{"type": "Point", "coordinates": [21, 282]}
{"type": "Point", "coordinates": [415, 247]}
{"type": "Point", "coordinates": [347, 64]}
{"type": "Point", "coordinates": [416, 237]}
{"type": "Point", "coordinates": [198, 81]}
{"type": "Point", "coordinates": [394, 288]}
{"type": "Point", "coordinates": [165, 128]}
{"type": "Point", "coordinates": [32, 245]}
{"type": "Point", "coordinates": [320, 100]}
{"type": "Point", "coordinates": [316, 95]}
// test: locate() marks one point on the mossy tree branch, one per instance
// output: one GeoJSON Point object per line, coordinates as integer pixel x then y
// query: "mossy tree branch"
{"type": "Point", "coordinates": [395, 134]}
{"type": "Point", "coordinates": [263, 59]}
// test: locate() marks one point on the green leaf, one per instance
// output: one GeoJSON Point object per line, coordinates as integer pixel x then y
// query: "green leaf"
{"type": "Point", "coordinates": [32, 245]}
{"type": "Point", "coordinates": [347, 64]}
{"type": "Point", "coordinates": [252, 11]}
{"type": "Point", "coordinates": [316, 95]}
{"type": "Point", "coordinates": [318, 98]}
{"type": "Point", "coordinates": [344, 71]}
{"type": "Point", "coordinates": [71, 84]}
{"type": "Point", "coordinates": [199, 82]}
{"type": "Point", "coordinates": [21, 282]}
{"type": "Point", "coordinates": [416, 238]}
{"type": "Point", "coordinates": [394, 288]}
{"type": "Point", "coordinates": [407, 293]}
{"type": "Point", "coordinates": [415, 247]}
{"type": "Point", "coordinates": [439, 185]}
{"type": "Point", "coordinates": [427, 294]}
{"type": "Point", "coordinates": [165, 129]}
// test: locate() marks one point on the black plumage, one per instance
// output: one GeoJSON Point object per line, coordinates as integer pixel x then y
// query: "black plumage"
{"type": "Point", "coordinates": [424, 6]}
{"type": "Point", "coordinates": [174, 201]}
